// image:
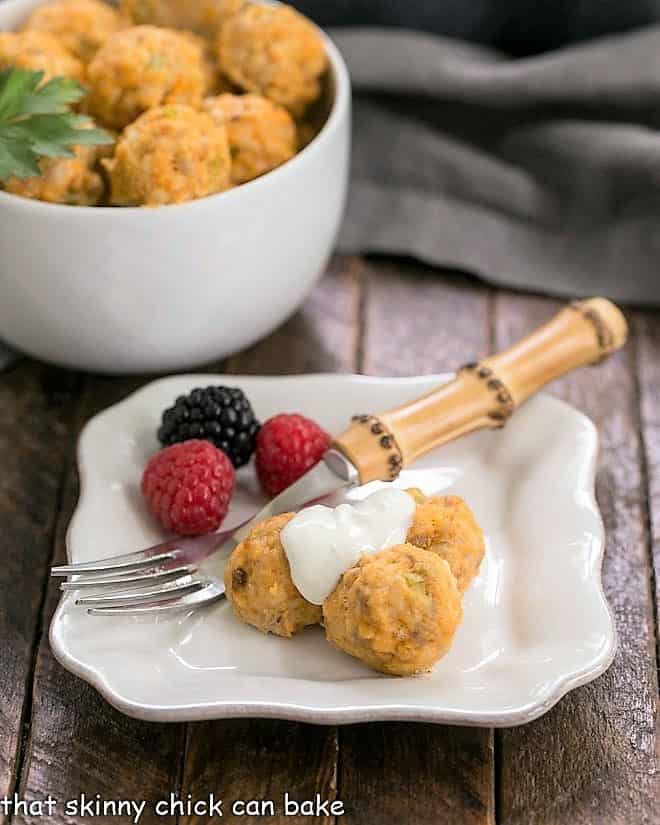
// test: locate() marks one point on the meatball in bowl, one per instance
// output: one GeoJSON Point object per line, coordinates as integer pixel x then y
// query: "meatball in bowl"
{"type": "Point", "coordinates": [210, 217]}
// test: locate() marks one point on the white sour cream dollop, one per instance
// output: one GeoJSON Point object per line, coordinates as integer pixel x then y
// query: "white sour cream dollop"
{"type": "Point", "coordinates": [323, 542]}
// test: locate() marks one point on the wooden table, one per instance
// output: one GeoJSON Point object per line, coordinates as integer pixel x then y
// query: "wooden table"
{"type": "Point", "coordinates": [589, 760]}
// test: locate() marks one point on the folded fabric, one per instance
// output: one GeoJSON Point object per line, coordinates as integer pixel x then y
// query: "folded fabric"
{"type": "Point", "coordinates": [540, 173]}
{"type": "Point", "coordinates": [7, 357]}
{"type": "Point", "coordinates": [514, 26]}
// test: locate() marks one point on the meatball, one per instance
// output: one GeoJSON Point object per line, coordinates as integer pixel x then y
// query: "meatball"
{"type": "Point", "coordinates": [140, 68]}
{"type": "Point", "coordinates": [213, 81]}
{"type": "Point", "coordinates": [74, 181]}
{"type": "Point", "coordinates": [201, 16]}
{"type": "Point", "coordinates": [262, 135]}
{"type": "Point", "coordinates": [446, 526]}
{"type": "Point", "coordinates": [82, 26]}
{"type": "Point", "coordinates": [258, 583]}
{"type": "Point", "coordinates": [273, 51]}
{"type": "Point", "coordinates": [170, 154]}
{"type": "Point", "coordinates": [39, 51]}
{"type": "Point", "coordinates": [397, 610]}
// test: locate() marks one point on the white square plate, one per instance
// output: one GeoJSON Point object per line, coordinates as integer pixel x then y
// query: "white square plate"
{"type": "Point", "coordinates": [536, 621]}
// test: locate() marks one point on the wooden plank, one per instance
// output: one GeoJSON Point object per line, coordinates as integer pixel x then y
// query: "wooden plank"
{"type": "Point", "coordinates": [418, 321]}
{"type": "Point", "coordinates": [647, 328]}
{"type": "Point", "coordinates": [37, 413]}
{"type": "Point", "coordinates": [261, 759]}
{"type": "Point", "coordinates": [247, 760]}
{"type": "Point", "coordinates": [78, 743]}
{"type": "Point", "coordinates": [591, 759]}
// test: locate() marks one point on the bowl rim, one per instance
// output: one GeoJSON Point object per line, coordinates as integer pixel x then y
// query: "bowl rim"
{"type": "Point", "coordinates": [338, 113]}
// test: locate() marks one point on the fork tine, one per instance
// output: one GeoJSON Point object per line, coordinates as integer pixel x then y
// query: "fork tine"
{"type": "Point", "coordinates": [159, 554]}
{"type": "Point", "coordinates": [124, 598]}
{"type": "Point", "coordinates": [186, 549]}
{"type": "Point", "coordinates": [209, 594]}
{"type": "Point", "coordinates": [152, 575]}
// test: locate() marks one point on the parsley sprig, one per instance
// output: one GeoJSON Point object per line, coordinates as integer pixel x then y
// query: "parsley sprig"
{"type": "Point", "coordinates": [36, 122]}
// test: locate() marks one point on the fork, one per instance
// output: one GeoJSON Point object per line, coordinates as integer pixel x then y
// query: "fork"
{"type": "Point", "coordinates": [161, 579]}
{"type": "Point", "coordinates": [166, 578]}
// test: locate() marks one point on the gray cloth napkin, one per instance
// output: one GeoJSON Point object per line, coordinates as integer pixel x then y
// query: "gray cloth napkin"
{"type": "Point", "coordinates": [7, 356]}
{"type": "Point", "coordinates": [541, 173]}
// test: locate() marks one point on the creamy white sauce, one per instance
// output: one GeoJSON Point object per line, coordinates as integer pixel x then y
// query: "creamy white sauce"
{"type": "Point", "coordinates": [322, 542]}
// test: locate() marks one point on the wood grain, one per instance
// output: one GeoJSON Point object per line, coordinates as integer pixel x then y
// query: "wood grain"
{"type": "Point", "coordinates": [261, 759]}
{"type": "Point", "coordinates": [418, 322]}
{"type": "Point", "coordinates": [592, 758]}
{"type": "Point", "coordinates": [416, 773]}
{"type": "Point", "coordinates": [647, 330]}
{"type": "Point", "coordinates": [78, 743]}
{"type": "Point", "coordinates": [37, 413]}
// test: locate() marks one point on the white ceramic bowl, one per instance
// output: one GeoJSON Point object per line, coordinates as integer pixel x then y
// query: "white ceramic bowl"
{"type": "Point", "coordinates": [128, 290]}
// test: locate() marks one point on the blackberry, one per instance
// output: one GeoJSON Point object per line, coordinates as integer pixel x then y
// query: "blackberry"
{"type": "Point", "coordinates": [221, 415]}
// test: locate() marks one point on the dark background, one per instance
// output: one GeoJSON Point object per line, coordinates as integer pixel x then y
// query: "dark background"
{"type": "Point", "coordinates": [519, 27]}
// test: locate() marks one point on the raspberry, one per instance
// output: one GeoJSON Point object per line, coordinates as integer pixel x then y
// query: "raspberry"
{"type": "Point", "coordinates": [188, 486]}
{"type": "Point", "coordinates": [287, 446]}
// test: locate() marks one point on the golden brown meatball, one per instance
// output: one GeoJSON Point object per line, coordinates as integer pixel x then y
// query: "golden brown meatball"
{"type": "Point", "coordinates": [273, 51]}
{"type": "Point", "coordinates": [201, 16]}
{"type": "Point", "coordinates": [39, 51]}
{"type": "Point", "coordinates": [397, 610]}
{"type": "Point", "coordinates": [140, 68]}
{"type": "Point", "coordinates": [445, 525]}
{"type": "Point", "coordinates": [169, 155]}
{"type": "Point", "coordinates": [262, 135]}
{"type": "Point", "coordinates": [258, 583]}
{"type": "Point", "coordinates": [213, 80]}
{"type": "Point", "coordinates": [82, 26]}
{"type": "Point", "coordinates": [73, 181]}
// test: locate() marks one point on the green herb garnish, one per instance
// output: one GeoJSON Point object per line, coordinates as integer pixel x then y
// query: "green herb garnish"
{"type": "Point", "coordinates": [36, 122]}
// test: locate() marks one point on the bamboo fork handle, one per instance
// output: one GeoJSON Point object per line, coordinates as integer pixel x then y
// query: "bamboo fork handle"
{"type": "Point", "coordinates": [483, 394]}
